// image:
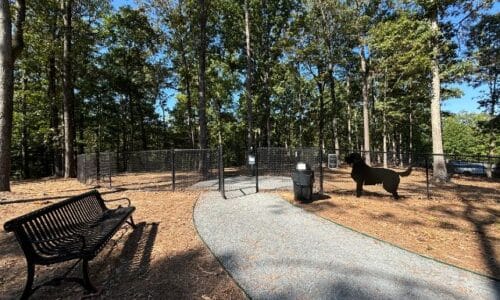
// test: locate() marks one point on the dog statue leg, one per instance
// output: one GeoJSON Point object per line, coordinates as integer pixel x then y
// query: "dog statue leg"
{"type": "Point", "coordinates": [359, 189]}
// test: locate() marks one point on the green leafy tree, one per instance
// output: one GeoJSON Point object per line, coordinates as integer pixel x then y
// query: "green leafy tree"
{"type": "Point", "coordinates": [484, 48]}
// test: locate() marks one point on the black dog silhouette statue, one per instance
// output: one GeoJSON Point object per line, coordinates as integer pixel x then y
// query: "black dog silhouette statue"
{"type": "Point", "coordinates": [366, 175]}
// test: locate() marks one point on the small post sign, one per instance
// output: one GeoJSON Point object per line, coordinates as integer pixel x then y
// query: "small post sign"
{"type": "Point", "coordinates": [251, 159]}
{"type": "Point", "coordinates": [333, 163]}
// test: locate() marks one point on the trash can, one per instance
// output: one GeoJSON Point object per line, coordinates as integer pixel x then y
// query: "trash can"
{"type": "Point", "coordinates": [303, 180]}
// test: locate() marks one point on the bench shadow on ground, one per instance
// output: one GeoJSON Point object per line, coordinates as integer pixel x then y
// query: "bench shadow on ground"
{"type": "Point", "coordinates": [128, 267]}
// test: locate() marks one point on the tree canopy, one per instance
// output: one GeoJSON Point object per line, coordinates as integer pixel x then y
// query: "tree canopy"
{"type": "Point", "coordinates": [248, 73]}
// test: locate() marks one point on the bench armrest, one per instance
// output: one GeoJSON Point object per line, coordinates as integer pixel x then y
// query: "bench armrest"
{"type": "Point", "coordinates": [120, 199]}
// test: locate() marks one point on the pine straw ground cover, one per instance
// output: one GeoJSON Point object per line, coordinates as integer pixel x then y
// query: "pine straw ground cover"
{"type": "Point", "coordinates": [458, 225]}
{"type": "Point", "coordinates": [162, 259]}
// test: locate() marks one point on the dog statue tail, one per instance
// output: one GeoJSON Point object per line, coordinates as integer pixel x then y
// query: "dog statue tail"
{"type": "Point", "coordinates": [405, 173]}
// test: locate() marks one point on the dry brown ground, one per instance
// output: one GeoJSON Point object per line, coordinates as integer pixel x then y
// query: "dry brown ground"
{"type": "Point", "coordinates": [163, 258]}
{"type": "Point", "coordinates": [458, 225]}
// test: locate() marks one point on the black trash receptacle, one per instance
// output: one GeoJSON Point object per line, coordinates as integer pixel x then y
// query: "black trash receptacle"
{"type": "Point", "coordinates": [303, 180]}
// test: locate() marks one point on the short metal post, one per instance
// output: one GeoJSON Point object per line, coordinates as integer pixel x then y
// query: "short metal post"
{"type": "Point", "coordinates": [173, 170]}
{"type": "Point", "coordinates": [257, 170]}
{"type": "Point", "coordinates": [427, 176]}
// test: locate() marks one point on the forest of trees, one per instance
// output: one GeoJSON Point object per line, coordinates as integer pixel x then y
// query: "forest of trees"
{"type": "Point", "coordinates": [81, 76]}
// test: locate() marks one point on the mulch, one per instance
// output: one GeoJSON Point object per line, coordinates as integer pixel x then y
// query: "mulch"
{"type": "Point", "coordinates": [459, 224]}
{"type": "Point", "coordinates": [163, 258]}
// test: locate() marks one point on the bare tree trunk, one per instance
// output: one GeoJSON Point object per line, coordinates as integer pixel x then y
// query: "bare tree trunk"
{"type": "Point", "coordinates": [265, 45]}
{"type": "Point", "coordinates": [55, 142]}
{"type": "Point", "coordinates": [384, 138]}
{"type": "Point", "coordinates": [190, 119]}
{"type": "Point", "coordinates": [349, 118]}
{"type": "Point", "coordinates": [202, 49]}
{"type": "Point", "coordinates": [10, 48]}
{"type": "Point", "coordinates": [187, 83]}
{"type": "Point", "coordinates": [410, 157]}
{"type": "Point", "coordinates": [366, 117]}
{"type": "Point", "coordinates": [321, 126]}
{"type": "Point", "coordinates": [202, 101]}
{"type": "Point", "coordinates": [493, 104]}
{"type": "Point", "coordinates": [24, 131]}
{"type": "Point", "coordinates": [68, 93]}
{"type": "Point", "coordinates": [384, 122]}
{"type": "Point", "coordinates": [300, 120]}
{"type": "Point", "coordinates": [335, 129]}
{"type": "Point", "coordinates": [249, 81]}
{"type": "Point", "coordinates": [439, 166]}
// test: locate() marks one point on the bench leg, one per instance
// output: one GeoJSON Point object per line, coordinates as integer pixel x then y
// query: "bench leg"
{"type": "Point", "coordinates": [131, 223]}
{"type": "Point", "coordinates": [86, 281]}
{"type": "Point", "coordinates": [29, 283]}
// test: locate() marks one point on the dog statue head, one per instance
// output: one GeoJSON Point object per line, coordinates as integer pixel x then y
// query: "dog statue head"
{"type": "Point", "coordinates": [353, 158]}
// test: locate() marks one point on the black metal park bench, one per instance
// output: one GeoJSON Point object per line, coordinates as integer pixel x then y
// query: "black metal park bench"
{"type": "Point", "coordinates": [76, 228]}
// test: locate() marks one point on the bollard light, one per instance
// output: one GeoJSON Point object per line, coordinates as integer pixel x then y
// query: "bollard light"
{"type": "Point", "coordinates": [301, 166]}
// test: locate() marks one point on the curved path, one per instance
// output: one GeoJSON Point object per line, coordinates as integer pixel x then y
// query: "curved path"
{"type": "Point", "coordinates": [277, 251]}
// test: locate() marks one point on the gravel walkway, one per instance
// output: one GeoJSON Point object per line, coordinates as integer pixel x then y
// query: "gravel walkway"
{"type": "Point", "coordinates": [238, 186]}
{"type": "Point", "coordinates": [277, 251]}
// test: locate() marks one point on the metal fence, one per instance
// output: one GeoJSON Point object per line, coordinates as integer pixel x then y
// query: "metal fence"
{"type": "Point", "coordinates": [465, 164]}
{"type": "Point", "coordinates": [180, 168]}
{"type": "Point", "coordinates": [248, 171]}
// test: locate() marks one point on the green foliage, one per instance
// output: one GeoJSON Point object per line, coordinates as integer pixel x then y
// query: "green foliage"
{"type": "Point", "coordinates": [136, 76]}
{"type": "Point", "coordinates": [462, 135]}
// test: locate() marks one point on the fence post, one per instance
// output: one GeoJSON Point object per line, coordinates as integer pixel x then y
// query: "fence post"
{"type": "Point", "coordinates": [173, 170]}
{"type": "Point", "coordinates": [257, 170]}
{"type": "Point", "coordinates": [427, 176]}
{"type": "Point", "coordinates": [109, 167]}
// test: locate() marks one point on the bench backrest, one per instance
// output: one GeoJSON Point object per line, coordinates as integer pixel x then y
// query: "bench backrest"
{"type": "Point", "coordinates": [35, 229]}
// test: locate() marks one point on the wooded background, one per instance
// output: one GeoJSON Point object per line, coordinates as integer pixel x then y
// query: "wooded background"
{"type": "Point", "coordinates": [360, 75]}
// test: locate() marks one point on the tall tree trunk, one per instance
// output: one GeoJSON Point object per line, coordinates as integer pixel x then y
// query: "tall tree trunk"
{"type": "Point", "coordinates": [187, 83]}
{"type": "Point", "coordinates": [24, 131]}
{"type": "Point", "coordinates": [349, 117]}
{"type": "Point", "coordinates": [335, 129]}
{"type": "Point", "coordinates": [266, 58]}
{"type": "Point", "coordinates": [6, 94]}
{"type": "Point", "coordinates": [349, 127]}
{"type": "Point", "coordinates": [410, 157]}
{"type": "Point", "coordinates": [10, 48]}
{"type": "Point", "coordinates": [384, 122]}
{"type": "Point", "coordinates": [202, 49]}
{"type": "Point", "coordinates": [55, 142]}
{"type": "Point", "coordinates": [366, 113]}
{"type": "Point", "coordinates": [68, 93]}
{"type": "Point", "coordinates": [248, 82]}
{"type": "Point", "coordinates": [439, 166]}
{"type": "Point", "coordinates": [493, 104]}
{"type": "Point", "coordinates": [301, 139]}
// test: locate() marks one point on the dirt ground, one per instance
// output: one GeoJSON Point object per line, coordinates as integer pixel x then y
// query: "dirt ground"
{"type": "Point", "coordinates": [162, 259]}
{"type": "Point", "coordinates": [458, 225]}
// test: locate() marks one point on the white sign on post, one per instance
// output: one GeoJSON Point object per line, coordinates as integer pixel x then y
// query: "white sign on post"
{"type": "Point", "coordinates": [251, 159]}
{"type": "Point", "coordinates": [332, 161]}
